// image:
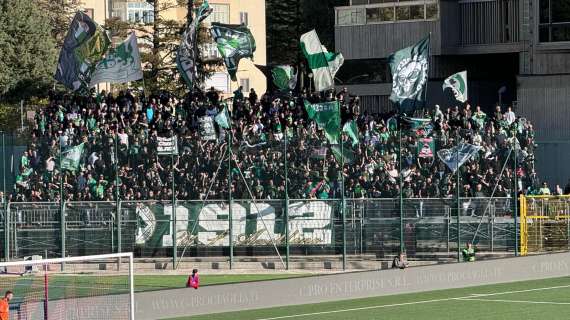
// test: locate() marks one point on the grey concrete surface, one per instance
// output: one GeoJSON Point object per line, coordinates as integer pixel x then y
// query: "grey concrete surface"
{"type": "Point", "coordinates": [244, 296]}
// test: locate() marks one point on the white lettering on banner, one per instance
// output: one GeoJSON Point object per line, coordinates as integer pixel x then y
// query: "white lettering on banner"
{"type": "Point", "coordinates": [217, 227]}
{"type": "Point", "coordinates": [324, 107]}
{"type": "Point", "coordinates": [181, 225]}
{"type": "Point", "coordinates": [310, 222]}
{"type": "Point", "coordinates": [267, 213]}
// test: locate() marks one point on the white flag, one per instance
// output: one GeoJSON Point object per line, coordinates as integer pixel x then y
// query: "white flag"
{"type": "Point", "coordinates": [458, 84]}
{"type": "Point", "coordinates": [122, 64]}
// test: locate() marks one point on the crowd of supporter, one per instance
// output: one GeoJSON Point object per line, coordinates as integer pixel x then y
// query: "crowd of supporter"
{"type": "Point", "coordinates": [120, 133]}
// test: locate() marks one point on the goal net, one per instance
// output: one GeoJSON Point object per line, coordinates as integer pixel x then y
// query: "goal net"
{"type": "Point", "coordinates": [88, 287]}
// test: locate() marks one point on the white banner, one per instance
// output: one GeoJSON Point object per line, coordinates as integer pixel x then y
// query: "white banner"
{"type": "Point", "coordinates": [122, 64]}
{"type": "Point", "coordinates": [167, 146]}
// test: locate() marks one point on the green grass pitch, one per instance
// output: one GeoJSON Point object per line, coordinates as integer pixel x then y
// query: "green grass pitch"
{"type": "Point", "coordinates": [539, 299]}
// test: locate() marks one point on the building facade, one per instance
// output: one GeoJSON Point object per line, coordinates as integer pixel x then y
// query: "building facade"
{"type": "Point", "coordinates": [249, 12]}
{"type": "Point", "coordinates": [516, 52]}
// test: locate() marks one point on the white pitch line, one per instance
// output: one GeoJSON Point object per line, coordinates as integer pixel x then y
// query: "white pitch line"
{"type": "Point", "coordinates": [514, 301]}
{"type": "Point", "coordinates": [411, 303]}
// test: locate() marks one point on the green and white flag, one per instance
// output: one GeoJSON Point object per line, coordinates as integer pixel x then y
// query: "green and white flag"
{"type": "Point", "coordinates": [409, 68]}
{"type": "Point", "coordinates": [458, 84]}
{"type": "Point", "coordinates": [234, 42]}
{"type": "Point", "coordinates": [324, 64]}
{"type": "Point", "coordinates": [122, 64]}
{"type": "Point", "coordinates": [284, 77]}
{"type": "Point", "coordinates": [327, 117]}
{"type": "Point", "coordinates": [223, 118]}
{"type": "Point", "coordinates": [72, 158]}
{"type": "Point", "coordinates": [352, 131]}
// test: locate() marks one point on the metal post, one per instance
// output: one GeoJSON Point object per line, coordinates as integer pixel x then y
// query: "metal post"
{"type": "Point", "coordinates": [117, 197]}
{"type": "Point", "coordinates": [3, 163]}
{"type": "Point", "coordinates": [343, 207]}
{"type": "Point", "coordinates": [286, 211]}
{"type": "Point", "coordinates": [400, 182]}
{"type": "Point", "coordinates": [61, 206]}
{"type": "Point", "coordinates": [230, 218]}
{"type": "Point", "coordinates": [5, 203]}
{"type": "Point", "coordinates": [515, 196]}
{"type": "Point", "coordinates": [458, 205]}
{"type": "Point", "coordinates": [174, 220]}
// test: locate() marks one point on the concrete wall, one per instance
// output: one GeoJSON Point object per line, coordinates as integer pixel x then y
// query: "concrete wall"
{"type": "Point", "coordinates": [244, 296]}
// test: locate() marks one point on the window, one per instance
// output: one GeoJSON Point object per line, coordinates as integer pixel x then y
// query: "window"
{"type": "Point", "coordinates": [220, 13]}
{"type": "Point", "coordinates": [383, 11]}
{"type": "Point", "coordinates": [351, 16]}
{"type": "Point", "coordinates": [379, 14]}
{"type": "Point", "coordinates": [140, 12]}
{"type": "Point", "coordinates": [245, 84]}
{"type": "Point", "coordinates": [89, 12]}
{"type": "Point", "coordinates": [243, 18]}
{"type": "Point", "coordinates": [554, 21]}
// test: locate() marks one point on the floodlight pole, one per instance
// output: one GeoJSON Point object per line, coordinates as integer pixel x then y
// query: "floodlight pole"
{"type": "Point", "coordinates": [400, 182]}
{"type": "Point", "coordinates": [61, 205]}
{"type": "Point", "coordinates": [174, 218]}
{"type": "Point", "coordinates": [117, 195]}
{"type": "Point", "coordinates": [343, 207]}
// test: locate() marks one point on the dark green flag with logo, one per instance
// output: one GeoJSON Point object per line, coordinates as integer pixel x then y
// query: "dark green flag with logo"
{"type": "Point", "coordinates": [409, 68]}
{"type": "Point", "coordinates": [234, 42]}
{"type": "Point", "coordinates": [327, 117]}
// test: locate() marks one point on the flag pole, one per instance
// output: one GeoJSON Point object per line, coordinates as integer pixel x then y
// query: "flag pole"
{"type": "Point", "coordinates": [230, 218]}
{"type": "Point", "coordinates": [400, 181]}
{"type": "Point", "coordinates": [61, 205]}
{"type": "Point", "coordinates": [174, 215]}
{"type": "Point", "coordinates": [343, 208]}
{"type": "Point", "coordinates": [117, 194]}
{"type": "Point", "coordinates": [458, 203]}
{"type": "Point", "coordinates": [515, 195]}
{"type": "Point", "coordinates": [286, 209]}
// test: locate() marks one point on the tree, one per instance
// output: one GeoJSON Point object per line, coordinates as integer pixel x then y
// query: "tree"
{"type": "Point", "coordinates": [27, 50]}
{"type": "Point", "coordinates": [60, 13]}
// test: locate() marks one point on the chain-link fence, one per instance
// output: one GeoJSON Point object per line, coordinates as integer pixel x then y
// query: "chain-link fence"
{"type": "Point", "coordinates": [299, 233]}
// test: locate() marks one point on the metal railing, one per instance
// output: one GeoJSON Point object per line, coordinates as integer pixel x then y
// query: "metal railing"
{"type": "Point", "coordinates": [264, 229]}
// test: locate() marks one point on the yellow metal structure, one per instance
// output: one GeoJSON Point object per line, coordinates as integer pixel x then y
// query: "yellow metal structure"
{"type": "Point", "coordinates": [544, 224]}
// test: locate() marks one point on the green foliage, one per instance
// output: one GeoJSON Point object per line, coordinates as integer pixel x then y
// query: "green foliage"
{"type": "Point", "coordinates": [9, 117]}
{"type": "Point", "coordinates": [28, 54]}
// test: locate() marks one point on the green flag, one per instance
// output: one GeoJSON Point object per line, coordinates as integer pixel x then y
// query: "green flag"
{"type": "Point", "coordinates": [284, 77]}
{"type": "Point", "coordinates": [72, 157]}
{"type": "Point", "coordinates": [223, 118]}
{"type": "Point", "coordinates": [346, 153]}
{"type": "Point", "coordinates": [458, 84]}
{"type": "Point", "coordinates": [409, 68]}
{"type": "Point", "coordinates": [352, 131]}
{"type": "Point", "coordinates": [234, 42]}
{"type": "Point", "coordinates": [187, 55]}
{"type": "Point", "coordinates": [327, 117]}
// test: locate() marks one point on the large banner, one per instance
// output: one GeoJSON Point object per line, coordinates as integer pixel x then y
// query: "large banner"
{"type": "Point", "coordinates": [85, 44]}
{"type": "Point", "coordinates": [252, 224]}
{"type": "Point", "coordinates": [121, 65]}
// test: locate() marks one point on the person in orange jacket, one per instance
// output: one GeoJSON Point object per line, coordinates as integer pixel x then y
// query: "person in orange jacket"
{"type": "Point", "coordinates": [5, 305]}
{"type": "Point", "coordinates": [193, 280]}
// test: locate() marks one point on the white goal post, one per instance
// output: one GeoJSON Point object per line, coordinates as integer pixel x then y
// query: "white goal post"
{"type": "Point", "coordinates": [85, 287]}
